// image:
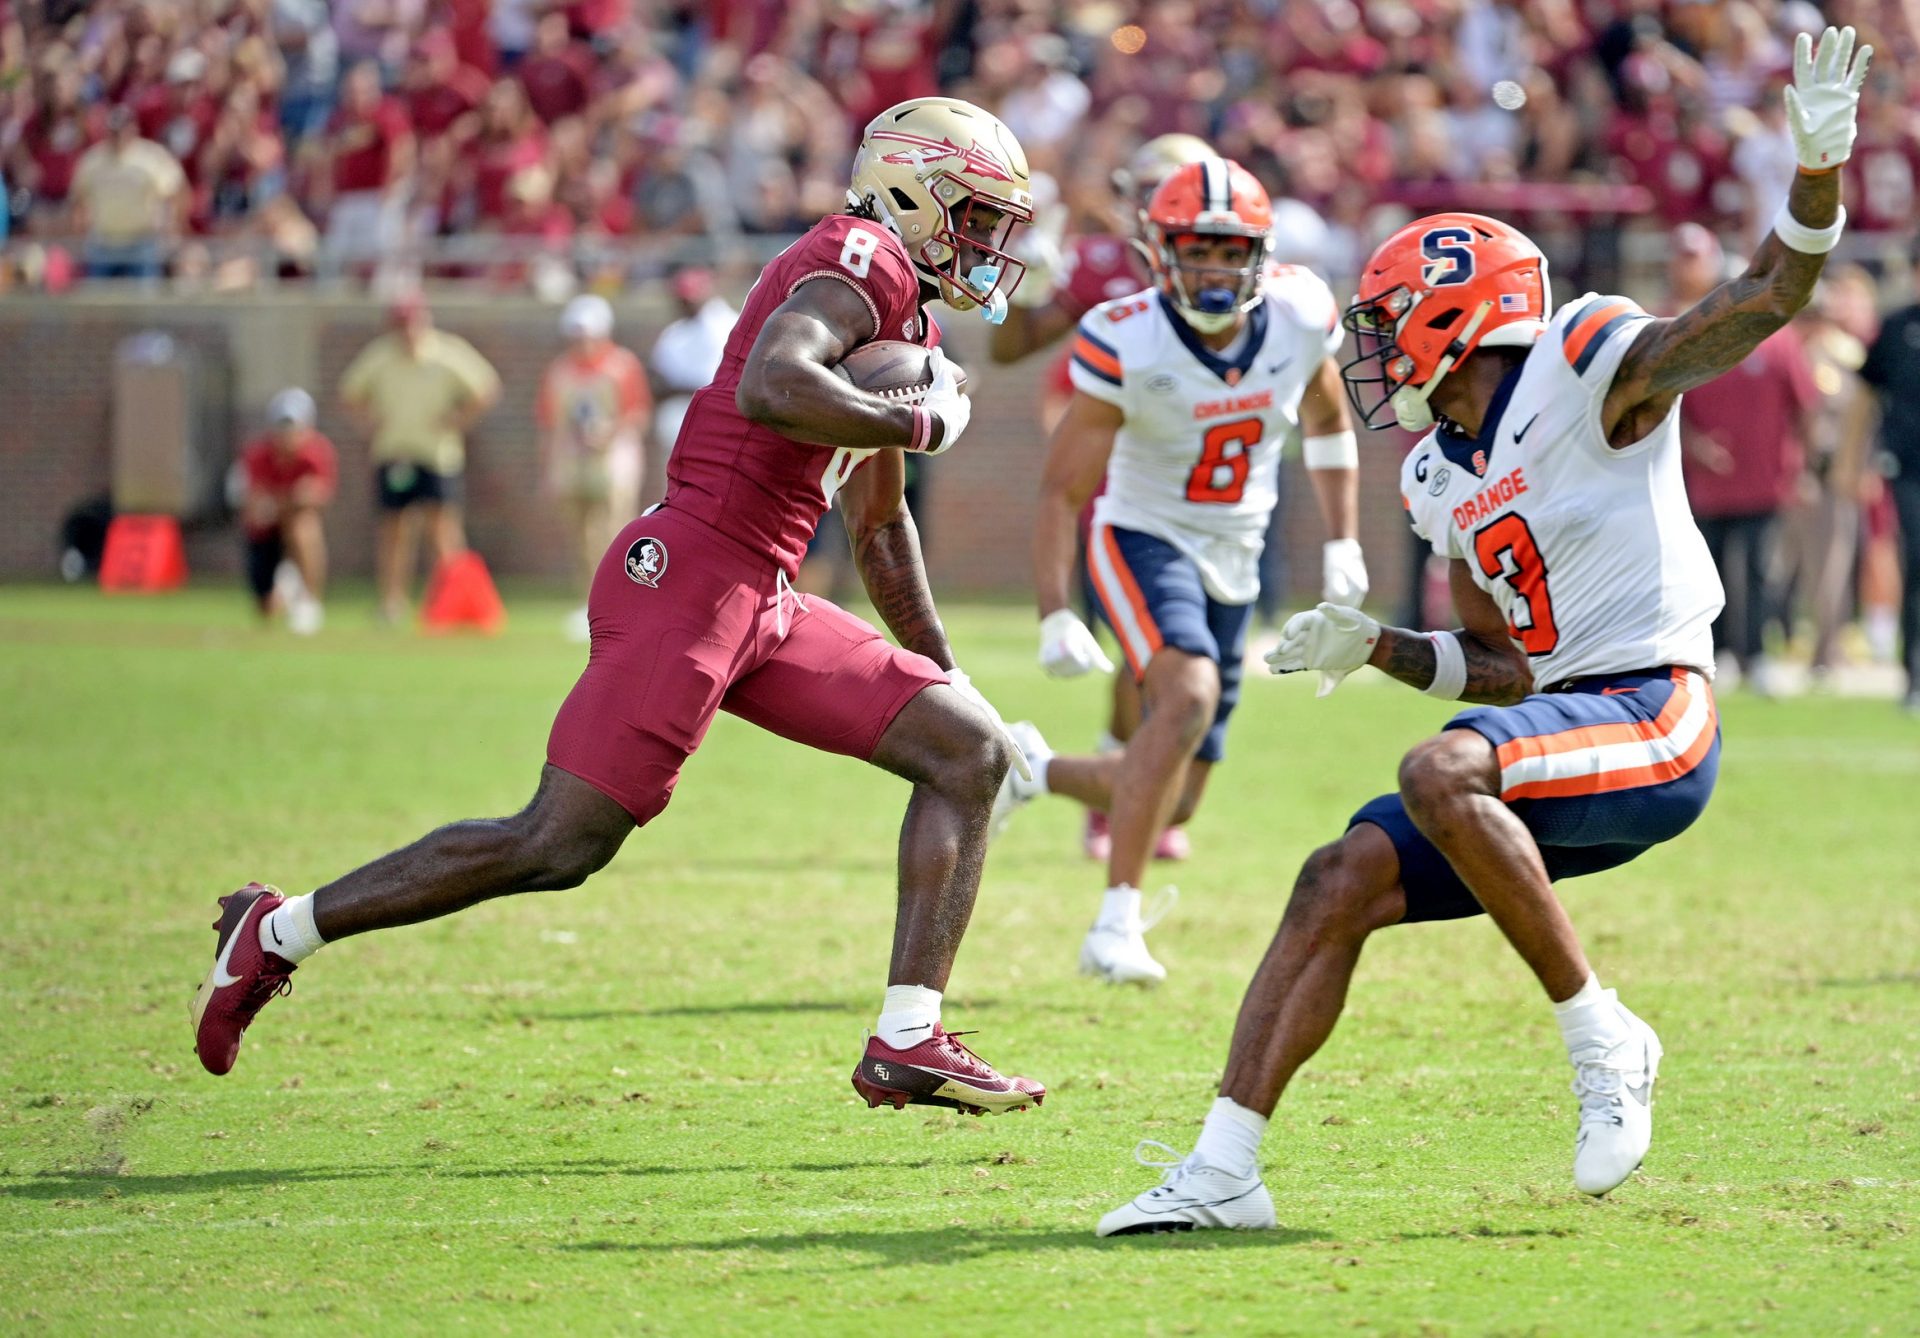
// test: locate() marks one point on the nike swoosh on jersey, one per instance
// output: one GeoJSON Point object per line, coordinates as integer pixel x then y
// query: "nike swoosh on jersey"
{"type": "Point", "coordinates": [220, 977]}
{"type": "Point", "coordinates": [1617, 692]}
{"type": "Point", "coordinates": [1528, 427]}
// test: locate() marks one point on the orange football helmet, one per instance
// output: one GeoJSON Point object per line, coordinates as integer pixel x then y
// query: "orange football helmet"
{"type": "Point", "coordinates": [1433, 292]}
{"type": "Point", "coordinates": [1214, 197]}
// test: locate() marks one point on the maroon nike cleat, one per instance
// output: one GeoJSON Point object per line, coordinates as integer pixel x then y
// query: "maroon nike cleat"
{"type": "Point", "coordinates": [1173, 844]}
{"type": "Point", "coordinates": [939, 1071]}
{"type": "Point", "coordinates": [243, 978]}
{"type": "Point", "coordinates": [1096, 839]}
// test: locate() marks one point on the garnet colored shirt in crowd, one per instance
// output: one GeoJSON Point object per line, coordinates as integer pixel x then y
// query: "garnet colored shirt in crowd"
{"type": "Point", "coordinates": [363, 144]}
{"type": "Point", "coordinates": [274, 472]}
{"type": "Point", "coordinates": [765, 491]}
{"type": "Point", "coordinates": [1883, 183]}
{"type": "Point", "coordinates": [557, 85]}
{"type": "Point", "coordinates": [434, 109]}
{"type": "Point", "coordinates": [55, 143]}
{"type": "Point", "coordinates": [1755, 412]}
{"type": "Point", "coordinates": [497, 161]}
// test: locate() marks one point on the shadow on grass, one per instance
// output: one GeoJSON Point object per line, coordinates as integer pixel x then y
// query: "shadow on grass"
{"type": "Point", "coordinates": [754, 1008]}
{"type": "Point", "coordinates": [899, 1249]}
{"type": "Point", "coordinates": [1868, 982]}
{"type": "Point", "coordinates": [67, 1184]}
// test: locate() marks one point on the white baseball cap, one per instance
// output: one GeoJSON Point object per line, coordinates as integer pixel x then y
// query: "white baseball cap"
{"type": "Point", "coordinates": [292, 405]}
{"type": "Point", "coordinates": [587, 317]}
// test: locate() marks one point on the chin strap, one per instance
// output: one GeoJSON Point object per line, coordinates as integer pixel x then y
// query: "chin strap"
{"type": "Point", "coordinates": [1410, 405]}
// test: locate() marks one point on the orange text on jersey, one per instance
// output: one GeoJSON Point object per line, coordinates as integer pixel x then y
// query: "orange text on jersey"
{"type": "Point", "coordinates": [1259, 399]}
{"type": "Point", "coordinates": [1490, 499]}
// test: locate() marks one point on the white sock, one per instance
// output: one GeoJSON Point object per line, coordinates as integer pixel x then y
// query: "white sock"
{"type": "Point", "coordinates": [1119, 908]}
{"type": "Point", "coordinates": [1230, 1139]}
{"type": "Point", "coordinates": [1040, 766]}
{"type": "Point", "coordinates": [287, 931]}
{"type": "Point", "coordinates": [1591, 1017]}
{"type": "Point", "coordinates": [908, 1016]}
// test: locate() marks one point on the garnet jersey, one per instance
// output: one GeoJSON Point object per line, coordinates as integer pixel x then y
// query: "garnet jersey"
{"type": "Point", "coordinates": [764, 490]}
{"type": "Point", "coordinates": [1197, 460]}
{"type": "Point", "coordinates": [1590, 551]}
{"type": "Point", "coordinates": [1097, 269]}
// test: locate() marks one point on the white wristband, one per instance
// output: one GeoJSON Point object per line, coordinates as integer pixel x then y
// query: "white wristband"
{"type": "Point", "coordinates": [1449, 667]}
{"type": "Point", "coordinates": [1808, 241]}
{"type": "Point", "coordinates": [1335, 450]}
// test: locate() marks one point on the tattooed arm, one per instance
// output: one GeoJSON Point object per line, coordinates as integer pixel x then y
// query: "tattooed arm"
{"type": "Point", "coordinates": [1668, 357]}
{"type": "Point", "coordinates": [1498, 673]}
{"type": "Point", "coordinates": [886, 549]}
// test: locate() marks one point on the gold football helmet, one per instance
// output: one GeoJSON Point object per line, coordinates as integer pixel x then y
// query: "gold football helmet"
{"type": "Point", "coordinates": [1152, 163]}
{"type": "Point", "coordinates": [951, 182]}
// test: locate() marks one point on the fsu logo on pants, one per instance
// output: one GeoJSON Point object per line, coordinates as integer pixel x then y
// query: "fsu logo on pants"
{"type": "Point", "coordinates": [647, 562]}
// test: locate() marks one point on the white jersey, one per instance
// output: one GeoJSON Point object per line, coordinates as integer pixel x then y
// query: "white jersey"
{"type": "Point", "coordinates": [1591, 552]}
{"type": "Point", "coordinates": [1197, 460]}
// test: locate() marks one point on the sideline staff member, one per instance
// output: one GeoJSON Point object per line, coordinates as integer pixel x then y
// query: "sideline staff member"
{"type": "Point", "coordinates": [417, 391]}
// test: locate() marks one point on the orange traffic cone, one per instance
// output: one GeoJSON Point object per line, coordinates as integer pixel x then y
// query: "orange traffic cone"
{"type": "Point", "coordinates": [460, 595]}
{"type": "Point", "coordinates": [143, 553]}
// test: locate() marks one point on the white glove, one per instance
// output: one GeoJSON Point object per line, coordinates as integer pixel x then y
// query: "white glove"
{"type": "Point", "coordinates": [1823, 102]}
{"type": "Point", "coordinates": [1331, 638]}
{"type": "Point", "coordinates": [1343, 572]}
{"type": "Point", "coordinates": [944, 400]}
{"type": "Point", "coordinates": [1068, 647]}
{"type": "Point", "coordinates": [963, 685]}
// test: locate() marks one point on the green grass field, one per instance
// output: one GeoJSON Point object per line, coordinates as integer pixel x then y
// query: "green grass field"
{"type": "Point", "coordinates": [626, 1108]}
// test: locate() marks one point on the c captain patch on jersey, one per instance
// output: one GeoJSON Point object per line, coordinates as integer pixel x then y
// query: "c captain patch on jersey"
{"type": "Point", "coordinates": [1589, 550]}
{"type": "Point", "coordinates": [1196, 462]}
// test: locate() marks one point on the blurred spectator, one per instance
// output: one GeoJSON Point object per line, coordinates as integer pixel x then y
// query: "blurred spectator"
{"type": "Point", "coordinates": [130, 201]}
{"type": "Point", "coordinates": [592, 412]}
{"type": "Point", "coordinates": [1893, 368]}
{"type": "Point", "coordinates": [311, 59]}
{"type": "Point", "coordinates": [686, 354]}
{"type": "Point", "coordinates": [1842, 451]}
{"type": "Point", "coordinates": [287, 477]}
{"type": "Point", "coordinates": [1743, 440]}
{"type": "Point", "coordinates": [557, 73]}
{"type": "Point", "coordinates": [368, 155]}
{"type": "Point", "coordinates": [417, 391]}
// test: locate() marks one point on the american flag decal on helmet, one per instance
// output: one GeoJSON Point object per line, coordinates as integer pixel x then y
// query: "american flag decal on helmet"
{"type": "Point", "coordinates": [924, 152]}
{"type": "Point", "coordinates": [1513, 301]}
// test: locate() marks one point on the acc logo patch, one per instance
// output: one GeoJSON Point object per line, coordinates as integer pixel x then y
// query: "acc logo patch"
{"type": "Point", "coordinates": [647, 562]}
{"type": "Point", "coordinates": [1441, 478]}
{"type": "Point", "coordinates": [1162, 384]}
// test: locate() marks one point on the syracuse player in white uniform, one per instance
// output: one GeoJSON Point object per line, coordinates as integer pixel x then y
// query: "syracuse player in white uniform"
{"type": "Point", "coordinates": [1184, 395]}
{"type": "Point", "coordinates": [1553, 484]}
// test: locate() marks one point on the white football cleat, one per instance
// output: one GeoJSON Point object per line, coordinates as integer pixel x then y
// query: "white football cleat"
{"type": "Point", "coordinates": [306, 616]}
{"type": "Point", "coordinates": [1615, 1087]}
{"type": "Point", "coordinates": [1116, 951]}
{"type": "Point", "coordinates": [1016, 792]}
{"type": "Point", "coordinates": [1192, 1197]}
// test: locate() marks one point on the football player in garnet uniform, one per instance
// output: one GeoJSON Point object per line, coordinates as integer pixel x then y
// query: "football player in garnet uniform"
{"type": "Point", "coordinates": [692, 612]}
{"type": "Point", "coordinates": [1097, 267]}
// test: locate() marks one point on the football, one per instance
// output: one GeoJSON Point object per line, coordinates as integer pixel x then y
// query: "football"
{"type": "Point", "coordinates": [893, 368]}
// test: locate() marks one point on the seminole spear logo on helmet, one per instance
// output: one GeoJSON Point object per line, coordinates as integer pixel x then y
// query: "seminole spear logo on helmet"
{"type": "Point", "coordinates": [924, 152]}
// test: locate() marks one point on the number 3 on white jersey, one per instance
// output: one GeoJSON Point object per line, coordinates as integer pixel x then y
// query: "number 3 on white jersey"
{"type": "Point", "coordinates": [856, 253]}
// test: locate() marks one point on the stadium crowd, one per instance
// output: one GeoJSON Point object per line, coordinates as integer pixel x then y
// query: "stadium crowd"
{"type": "Point", "coordinates": [613, 140]}
{"type": "Point", "coordinates": [325, 133]}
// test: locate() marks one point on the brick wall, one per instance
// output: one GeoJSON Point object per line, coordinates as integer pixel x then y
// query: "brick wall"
{"type": "Point", "coordinates": [56, 363]}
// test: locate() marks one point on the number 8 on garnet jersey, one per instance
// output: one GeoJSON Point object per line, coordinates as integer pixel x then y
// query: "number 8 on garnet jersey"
{"type": "Point", "coordinates": [1590, 550]}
